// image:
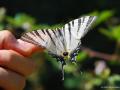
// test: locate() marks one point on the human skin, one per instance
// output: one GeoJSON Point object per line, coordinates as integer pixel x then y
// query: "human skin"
{"type": "Point", "coordinates": [15, 64]}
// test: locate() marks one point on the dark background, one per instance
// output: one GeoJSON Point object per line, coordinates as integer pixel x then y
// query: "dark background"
{"type": "Point", "coordinates": [57, 11]}
{"type": "Point", "coordinates": [60, 11]}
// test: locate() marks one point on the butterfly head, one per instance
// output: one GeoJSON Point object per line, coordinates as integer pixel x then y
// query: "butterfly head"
{"type": "Point", "coordinates": [66, 55]}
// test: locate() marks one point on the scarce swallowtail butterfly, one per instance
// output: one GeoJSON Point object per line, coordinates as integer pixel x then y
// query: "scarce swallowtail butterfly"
{"type": "Point", "coordinates": [62, 43]}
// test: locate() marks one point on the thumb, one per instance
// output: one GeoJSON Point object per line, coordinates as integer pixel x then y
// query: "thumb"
{"type": "Point", "coordinates": [10, 42]}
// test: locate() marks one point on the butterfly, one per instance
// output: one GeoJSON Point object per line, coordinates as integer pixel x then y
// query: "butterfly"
{"type": "Point", "coordinates": [62, 43]}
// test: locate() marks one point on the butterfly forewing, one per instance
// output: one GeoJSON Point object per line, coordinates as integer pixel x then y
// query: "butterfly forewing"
{"type": "Point", "coordinates": [75, 30]}
{"type": "Point", "coordinates": [36, 37]}
{"type": "Point", "coordinates": [82, 25]}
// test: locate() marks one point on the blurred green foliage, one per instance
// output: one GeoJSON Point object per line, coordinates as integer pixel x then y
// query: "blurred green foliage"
{"type": "Point", "coordinates": [102, 16]}
{"type": "Point", "coordinates": [76, 77]}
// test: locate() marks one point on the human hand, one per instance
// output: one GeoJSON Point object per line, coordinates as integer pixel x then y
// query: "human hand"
{"type": "Point", "coordinates": [15, 65]}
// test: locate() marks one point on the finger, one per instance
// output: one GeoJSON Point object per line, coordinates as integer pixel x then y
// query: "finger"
{"type": "Point", "coordinates": [10, 80]}
{"type": "Point", "coordinates": [8, 41]}
{"type": "Point", "coordinates": [16, 62]}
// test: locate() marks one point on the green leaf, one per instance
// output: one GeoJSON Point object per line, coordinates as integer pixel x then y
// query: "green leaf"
{"type": "Point", "coordinates": [95, 13]}
{"type": "Point", "coordinates": [22, 18]}
{"type": "Point", "coordinates": [97, 81]}
{"type": "Point", "coordinates": [71, 82]}
{"type": "Point", "coordinates": [112, 32]}
{"type": "Point", "coordinates": [81, 56]}
{"type": "Point", "coordinates": [70, 67]}
{"type": "Point", "coordinates": [1, 26]}
{"type": "Point", "coordinates": [10, 20]}
{"type": "Point", "coordinates": [113, 79]}
{"type": "Point", "coordinates": [116, 32]}
{"type": "Point", "coordinates": [2, 14]}
{"type": "Point", "coordinates": [106, 32]}
{"type": "Point", "coordinates": [103, 16]}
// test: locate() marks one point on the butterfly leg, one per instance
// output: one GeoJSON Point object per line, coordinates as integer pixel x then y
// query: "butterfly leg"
{"type": "Point", "coordinates": [73, 59]}
{"type": "Point", "coordinates": [74, 54]}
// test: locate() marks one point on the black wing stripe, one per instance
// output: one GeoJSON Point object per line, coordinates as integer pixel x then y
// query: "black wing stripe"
{"type": "Point", "coordinates": [59, 31]}
{"type": "Point", "coordinates": [43, 31]}
{"type": "Point", "coordinates": [33, 34]}
{"type": "Point", "coordinates": [26, 37]}
{"type": "Point", "coordinates": [83, 19]}
{"type": "Point", "coordinates": [62, 37]}
{"type": "Point", "coordinates": [28, 40]}
{"type": "Point", "coordinates": [69, 29]}
{"type": "Point", "coordinates": [89, 21]}
{"type": "Point", "coordinates": [73, 23]}
{"type": "Point", "coordinates": [64, 30]}
{"type": "Point", "coordinates": [36, 32]}
{"type": "Point", "coordinates": [50, 37]}
{"type": "Point", "coordinates": [54, 33]}
{"type": "Point", "coordinates": [79, 24]}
